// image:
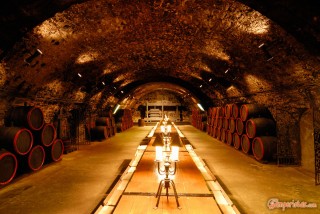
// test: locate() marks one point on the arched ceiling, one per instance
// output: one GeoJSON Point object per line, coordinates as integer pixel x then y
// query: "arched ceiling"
{"type": "Point", "coordinates": [102, 50]}
{"type": "Point", "coordinates": [133, 97]}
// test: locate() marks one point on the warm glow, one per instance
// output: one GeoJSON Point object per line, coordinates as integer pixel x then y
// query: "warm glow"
{"type": "Point", "coordinates": [200, 107]}
{"type": "Point", "coordinates": [232, 91]}
{"type": "Point", "coordinates": [110, 68]}
{"type": "Point", "coordinates": [80, 95]}
{"type": "Point", "coordinates": [159, 153]}
{"type": "Point", "coordinates": [116, 109]}
{"type": "Point", "coordinates": [54, 30]}
{"type": "Point", "coordinates": [202, 66]}
{"type": "Point", "coordinates": [96, 98]}
{"type": "Point", "coordinates": [175, 153]}
{"type": "Point", "coordinates": [153, 130]}
{"type": "Point", "coordinates": [253, 22]}
{"type": "Point", "coordinates": [214, 49]}
{"type": "Point", "coordinates": [165, 129]}
{"type": "Point", "coordinates": [255, 84]}
{"type": "Point", "coordinates": [87, 57]}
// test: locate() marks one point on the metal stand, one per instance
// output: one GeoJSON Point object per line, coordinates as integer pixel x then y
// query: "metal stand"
{"type": "Point", "coordinates": [165, 183]}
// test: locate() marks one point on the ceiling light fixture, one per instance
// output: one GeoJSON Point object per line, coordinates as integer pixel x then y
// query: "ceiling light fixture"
{"type": "Point", "coordinates": [200, 107]}
{"type": "Point", "coordinates": [36, 53]}
{"type": "Point", "coordinates": [263, 47]}
{"type": "Point", "coordinates": [210, 79]}
{"type": "Point", "coordinates": [103, 83]}
{"type": "Point", "coordinates": [227, 70]}
{"type": "Point", "coordinates": [116, 109]}
{"type": "Point", "coordinates": [79, 75]}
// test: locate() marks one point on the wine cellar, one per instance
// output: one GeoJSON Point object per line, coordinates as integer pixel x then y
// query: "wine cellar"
{"type": "Point", "coordinates": [159, 106]}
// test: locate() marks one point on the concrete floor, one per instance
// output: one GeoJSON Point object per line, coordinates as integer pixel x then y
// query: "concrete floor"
{"type": "Point", "coordinates": [83, 178]}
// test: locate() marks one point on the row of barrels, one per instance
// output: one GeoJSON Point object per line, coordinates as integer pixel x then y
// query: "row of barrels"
{"type": "Point", "coordinates": [102, 128]}
{"type": "Point", "coordinates": [26, 143]}
{"type": "Point", "coordinates": [23, 150]}
{"type": "Point", "coordinates": [249, 127]}
{"type": "Point", "coordinates": [124, 119]}
{"type": "Point", "coordinates": [199, 119]}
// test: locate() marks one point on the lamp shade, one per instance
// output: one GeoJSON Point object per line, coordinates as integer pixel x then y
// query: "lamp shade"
{"type": "Point", "coordinates": [175, 153]}
{"type": "Point", "coordinates": [175, 144]}
{"type": "Point", "coordinates": [158, 143]}
{"type": "Point", "coordinates": [159, 155]}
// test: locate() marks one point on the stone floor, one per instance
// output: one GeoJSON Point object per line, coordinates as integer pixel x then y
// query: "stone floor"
{"type": "Point", "coordinates": [79, 182]}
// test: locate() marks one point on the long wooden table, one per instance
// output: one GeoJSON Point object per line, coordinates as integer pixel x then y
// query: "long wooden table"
{"type": "Point", "coordinates": [194, 195]}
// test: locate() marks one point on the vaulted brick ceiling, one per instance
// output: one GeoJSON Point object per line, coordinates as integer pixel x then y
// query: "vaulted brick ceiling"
{"type": "Point", "coordinates": [103, 51]}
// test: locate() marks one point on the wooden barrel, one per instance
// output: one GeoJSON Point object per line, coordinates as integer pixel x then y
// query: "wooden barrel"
{"type": "Point", "coordinates": [27, 116]}
{"type": "Point", "coordinates": [8, 166]}
{"type": "Point", "coordinates": [214, 132]}
{"type": "Point", "coordinates": [248, 111]}
{"type": "Point", "coordinates": [228, 111]}
{"type": "Point", "coordinates": [229, 137]}
{"type": "Point", "coordinates": [111, 131]}
{"type": "Point", "coordinates": [236, 141]}
{"type": "Point", "coordinates": [235, 109]}
{"type": "Point", "coordinates": [232, 124]}
{"type": "Point", "coordinates": [211, 131]}
{"type": "Point", "coordinates": [15, 139]}
{"type": "Point", "coordinates": [223, 135]}
{"type": "Point", "coordinates": [216, 121]}
{"type": "Point", "coordinates": [220, 112]}
{"type": "Point", "coordinates": [45, 136]}
{"type": "Point", "coordinates": [141, 122]}
{"type": "Point", "coordinates": [239, 126]}
{"type": "Point", "coordinates": [218, 133]}
{"type": "Point", "coordinates": [225, 123]}
{"type": "Point", "coordinates": [34, 160]}
{"type": "Point", "coordinates": [55, 151]}
{"type": "Point", "coordinates": [214, 112]}
{"type": "Point", "coordinates": [264, 148]}
{"type": "Point", "coordinates": [99, 133]}
{"type": "Point", "coordinates": [220, 122]}
{"type": "Point", "coordinates": [113, 122]}
{"type": "Point", "coordinates": [103, 121]}
{"type": "Point", "coordinates": [260, 127]}
{"type": "Point", "coordinates": [208, 129]}
{"type": "Point", "coordinates": [245, 144]}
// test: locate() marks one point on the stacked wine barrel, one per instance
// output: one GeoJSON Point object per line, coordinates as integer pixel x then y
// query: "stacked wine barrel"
{"type": "Point", "coordinates": [27, 144]}
{"type": "Point", "coordinates": [199, 120]}
{"type": "Point", "coordinates": [123, 120]}
{"type": "Point", "coordinates": [103, 128]}
{"type": "Point", "coordinates": [249, 127]}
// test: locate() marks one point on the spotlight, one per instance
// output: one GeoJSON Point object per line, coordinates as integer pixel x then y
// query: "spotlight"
{"type": "Point", "coordinates": [36, 53]}
{"type": "Point", "coordinates": [121, 92]}
{"type": "Point", "coordinates": [114, 87]}
{"type": "Point", "coordinates": [79, 75]}
{"type": "Point", "coordinates": [210, 79]}
{"type": "Point", "coordinates": [200, 107]}
{"type": "Point", "coordinates": [263, 47]}
{"type": "Point", "coordinates": [227, 70]}
{"type": "Point", "coordinates": [103, 83]}
{"type": "Point", "coordinates": [200, 86]}
{"type": "Point", "coordinates": [116, 109]}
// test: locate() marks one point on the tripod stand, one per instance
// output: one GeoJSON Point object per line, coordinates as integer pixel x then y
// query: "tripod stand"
{"type": "Point", "coordinates": [165, 183]}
